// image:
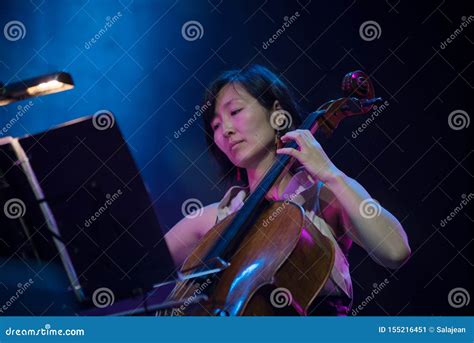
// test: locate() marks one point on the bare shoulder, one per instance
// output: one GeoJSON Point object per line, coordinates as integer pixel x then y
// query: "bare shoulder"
{"type": "Point", "coordinates": [208, 218]}
{"type": "Point", "coordinates": [184, 236]}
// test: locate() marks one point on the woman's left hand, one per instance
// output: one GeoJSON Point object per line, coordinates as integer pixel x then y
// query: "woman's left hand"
{"type": "Point", "coordinates": [310, 154]}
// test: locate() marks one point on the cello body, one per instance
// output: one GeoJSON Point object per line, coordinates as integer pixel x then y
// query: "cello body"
{"type": "Point", "coordinates": [279, 268]}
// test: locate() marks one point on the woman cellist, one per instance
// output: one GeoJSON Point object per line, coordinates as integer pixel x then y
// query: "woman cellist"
{"type": "Point", "coordinates": [240, 134]}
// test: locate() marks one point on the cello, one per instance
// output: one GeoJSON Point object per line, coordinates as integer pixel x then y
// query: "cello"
{"type": "Point", "coordinates": [243, 259]}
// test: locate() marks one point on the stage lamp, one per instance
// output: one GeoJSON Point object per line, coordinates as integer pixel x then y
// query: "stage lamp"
{"type": "Point", "coordinates": [37, 86]}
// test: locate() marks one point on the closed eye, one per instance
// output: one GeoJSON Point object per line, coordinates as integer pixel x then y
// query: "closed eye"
{"type": "Point", "coordinates": [234, 112]}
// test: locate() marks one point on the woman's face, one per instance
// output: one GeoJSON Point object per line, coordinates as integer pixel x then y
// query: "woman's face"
{"type": "Point", "coordinates": [241, 127]}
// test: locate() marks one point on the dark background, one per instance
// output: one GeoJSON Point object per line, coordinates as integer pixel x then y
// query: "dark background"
{"type": "Point", "coordinates": [151, 78]}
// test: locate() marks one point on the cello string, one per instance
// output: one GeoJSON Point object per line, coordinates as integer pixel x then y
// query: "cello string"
{"type": "Point", "coordinates": [172, 295]}
{"type": "Point", "coordinates": [177, 293]}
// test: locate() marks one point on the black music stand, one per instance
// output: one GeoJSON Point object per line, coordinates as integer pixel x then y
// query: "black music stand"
{"type": "Point", "coordinates": [84, 196]}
